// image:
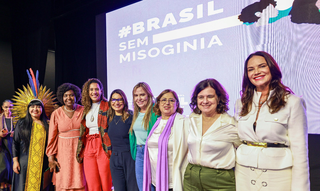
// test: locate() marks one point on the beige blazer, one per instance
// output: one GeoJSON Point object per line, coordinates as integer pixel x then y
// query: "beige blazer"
{"type": "Point", "coordinates": [288, 126]}
{"type": "Point", "coordinates": [180, 150]}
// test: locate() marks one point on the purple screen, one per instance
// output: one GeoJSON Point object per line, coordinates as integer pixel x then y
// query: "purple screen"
{"type": "Point", "coordinates": [176, 44]}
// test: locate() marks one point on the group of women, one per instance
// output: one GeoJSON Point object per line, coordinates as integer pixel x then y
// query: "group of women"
{"type": "Point", "coordinates": [103, 144]}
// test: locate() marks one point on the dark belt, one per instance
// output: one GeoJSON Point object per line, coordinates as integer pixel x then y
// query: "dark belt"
{"type": "Point", "coordinates": [265, 145]}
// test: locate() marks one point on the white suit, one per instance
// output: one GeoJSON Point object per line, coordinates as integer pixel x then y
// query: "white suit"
{"type": "Point", "coordinates": [287, 126]}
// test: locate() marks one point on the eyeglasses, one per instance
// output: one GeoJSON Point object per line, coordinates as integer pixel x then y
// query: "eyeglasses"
{"type": "Point", "coordinates": [113, 100]}
{"type": "Point", "coordinates": [165, 100]}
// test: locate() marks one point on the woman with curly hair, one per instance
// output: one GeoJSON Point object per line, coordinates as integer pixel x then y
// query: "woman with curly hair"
{"type": "Point", "coordinates": [94, 146]}
{"type": "Point", "coordinates": [211, 140]}
{"type": "Point", "coordinates": [64, 131]}
{"type": "Point", "coordinates": [273, 128]}
{"type": "Point", "coordinates": [142, 122]}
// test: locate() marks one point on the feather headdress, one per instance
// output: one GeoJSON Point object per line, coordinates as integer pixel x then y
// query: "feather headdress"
{"type": "Point", "coordinates": [31, 92]}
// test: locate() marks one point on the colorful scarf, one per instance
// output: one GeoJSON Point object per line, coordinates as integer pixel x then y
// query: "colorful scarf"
{"type": "Point", "coordinates": [162, 182]}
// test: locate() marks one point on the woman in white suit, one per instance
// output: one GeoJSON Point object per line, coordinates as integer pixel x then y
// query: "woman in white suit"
{"type": "Point", "coordinates": [166, 146]}
{"type": "Point", "coordinates": [272, 125]}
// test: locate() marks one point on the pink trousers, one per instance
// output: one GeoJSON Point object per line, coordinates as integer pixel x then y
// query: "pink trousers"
{"type": "Point", "coordinates": [96, 165]}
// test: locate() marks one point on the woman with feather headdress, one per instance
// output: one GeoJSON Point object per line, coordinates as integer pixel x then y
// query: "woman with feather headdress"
{"type": "Point", "coordinates": [30, 163]}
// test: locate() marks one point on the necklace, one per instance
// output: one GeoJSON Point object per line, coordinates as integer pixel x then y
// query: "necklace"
{"type": "Point", "coordinates": [5, 124]}
{"type": "Point", "coordinates": [261, 103]}
{"type": "Point", "coordinates": [263, 99]}
{"type": "Point", "coordinates": [92, 118]}
{"type": "Point", "coordinates": [117, 121]}
{"type": "Point", "coordinates": [68, 110]}
{"type": "Point", "coordinates": [259, 107]}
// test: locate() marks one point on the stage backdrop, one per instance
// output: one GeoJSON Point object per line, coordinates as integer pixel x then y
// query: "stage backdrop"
{"type": "Point", "coordinates": [176, 44]}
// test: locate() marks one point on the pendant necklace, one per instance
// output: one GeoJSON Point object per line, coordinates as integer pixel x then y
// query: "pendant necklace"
{"type": "Point", "coordinates": [259, 107]}
{"type": "Point", "coordinates": [5, 124]}
{"type": "Point", "coordinates": [117, 121]}
{"type": "Point", "coordinates": [92, 118]}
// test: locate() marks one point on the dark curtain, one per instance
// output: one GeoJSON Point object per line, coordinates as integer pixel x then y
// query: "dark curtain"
{"type": "Point", "coordinates": [30, 29]}
{"type": "Point", "coordinates": [75, 31]}
{"type": "Point", "coordinates": [314, 161]}
{"type": "Point", "coordinates": [75, 48]}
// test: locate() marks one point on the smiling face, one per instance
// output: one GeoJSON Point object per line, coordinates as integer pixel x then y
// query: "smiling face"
{"type": "Point", "coordinates": [117, 103]}
{"type": "Point", "coordinates": [141, 99]}
{"type": "Point", "coordinates": [69, 98]}
{"type": "Point", "coordinates": [259, 73]}
{"type": "Point", "coordinates": [35, 111]}
{"type": "Point", "coordinates": [168, 105]}
{"type": "Point", "coordinates": [7, 107]}
{"type": "Point", "coordinates": [207, 101]}
{"type": "Point", "coordinates": [95, 92]}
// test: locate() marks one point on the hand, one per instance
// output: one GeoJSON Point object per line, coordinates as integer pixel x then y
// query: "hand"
{"type": "Point", "coordinates": [109, 153]}
{"type": "Point", "coordinates": [16, 167]}
{"type": "Point", "coordinates": [3, 132]}
{"type": "Point", "coordinates": [53, 164]}
{"type": "Point", "coordinates": [11, 135]}
{"type": "Point", "coordinates": [79, 159]}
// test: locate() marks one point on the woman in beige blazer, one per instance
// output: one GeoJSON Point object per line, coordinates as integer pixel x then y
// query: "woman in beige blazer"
{"type": "Point", "coordinates": [272, 125]}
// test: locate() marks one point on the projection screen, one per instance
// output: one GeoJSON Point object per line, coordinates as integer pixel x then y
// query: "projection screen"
{"type": "Point", "coordinates": [176, 44]}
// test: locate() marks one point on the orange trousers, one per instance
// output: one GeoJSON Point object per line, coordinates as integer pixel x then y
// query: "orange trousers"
{"type": "Point", "coordinates": [96, 165]}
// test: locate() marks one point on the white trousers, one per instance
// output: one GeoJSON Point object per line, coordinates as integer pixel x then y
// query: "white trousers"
{"type": "Point", "coordinates": [254, 179]}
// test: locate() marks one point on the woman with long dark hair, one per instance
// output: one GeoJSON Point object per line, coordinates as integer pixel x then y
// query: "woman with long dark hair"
{"type": "Point", "coordinates": [272, 125]}
{"type": "Point", "coordinates": [29, 145]}
{"type": "Point", "coordinates": [121, 163]}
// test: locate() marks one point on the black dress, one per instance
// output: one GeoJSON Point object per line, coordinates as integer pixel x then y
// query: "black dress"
{"type": "Point", "coordinates": [5, 160]}
{"type": "Point", "coordinates": [6, 171]}
{"type": "Point", "coordinates": [19, 180]}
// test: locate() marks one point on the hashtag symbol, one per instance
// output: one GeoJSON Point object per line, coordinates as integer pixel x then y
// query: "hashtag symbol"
{"type": "Point", "coordinates": [124, 31]}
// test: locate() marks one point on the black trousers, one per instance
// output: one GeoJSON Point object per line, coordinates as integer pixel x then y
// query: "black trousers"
{"type": "Point", "coordinates": [123, 174]}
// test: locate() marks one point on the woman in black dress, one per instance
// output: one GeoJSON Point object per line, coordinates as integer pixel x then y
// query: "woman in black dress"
{"type": "Point", "coordinates": [30, 162]}
{"type": "Point", "coordinates": [6, 133]}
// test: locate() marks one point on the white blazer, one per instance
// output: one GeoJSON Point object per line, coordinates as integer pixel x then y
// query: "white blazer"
{"type": "Point", "coordinates": [288, 126]}
{"type": "Point", "coordinates": [180, 130]}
